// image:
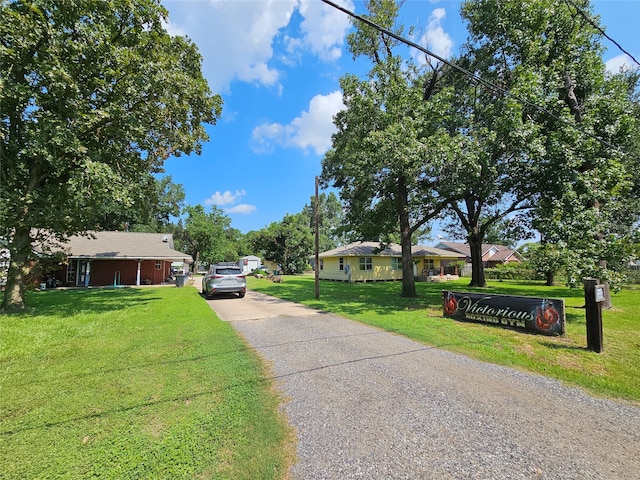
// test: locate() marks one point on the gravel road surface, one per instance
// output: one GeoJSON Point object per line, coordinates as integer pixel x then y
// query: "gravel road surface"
{"type": "Point", "coordinates": [367, 404]}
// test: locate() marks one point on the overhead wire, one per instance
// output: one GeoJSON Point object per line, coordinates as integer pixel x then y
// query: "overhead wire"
{"type": "Point", "coordinates": [590, 20]}
{"type": "Point", "coordinates": [472, 75]}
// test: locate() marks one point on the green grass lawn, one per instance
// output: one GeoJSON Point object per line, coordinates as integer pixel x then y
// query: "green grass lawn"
{"type": "Point", "coordinates": [614, 373]}
{"type": "Point", "coordinates": [134, 383]}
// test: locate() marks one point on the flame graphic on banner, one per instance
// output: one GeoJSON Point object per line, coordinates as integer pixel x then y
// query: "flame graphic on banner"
{"type": "Point", "coordinates": [546, 316]}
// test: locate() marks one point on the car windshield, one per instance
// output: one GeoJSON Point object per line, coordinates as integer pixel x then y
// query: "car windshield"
{"type": "Point", "coordinates": [228, 271]}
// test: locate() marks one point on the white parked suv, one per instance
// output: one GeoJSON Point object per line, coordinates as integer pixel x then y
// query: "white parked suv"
{"type": "Point", "coordinates": [224, 278]}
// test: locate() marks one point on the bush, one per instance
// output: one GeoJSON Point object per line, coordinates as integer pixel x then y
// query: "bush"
{"type": "Point", "coordinates": [511, 271]}
{"type": "Point", "coordinates": [633, 277]}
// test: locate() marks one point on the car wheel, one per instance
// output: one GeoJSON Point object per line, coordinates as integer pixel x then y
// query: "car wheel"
{"type": "Point", "coordinates": [241, 294]}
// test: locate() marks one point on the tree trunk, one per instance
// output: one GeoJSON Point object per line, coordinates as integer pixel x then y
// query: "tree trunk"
{"type": "Point", "coordinates": [477, 268]}
{"type": "Point", "coordinates": [408, 280]}
{"type": "Point", "coordinates": [551, 280]}
{"type": "Point", "coordinates": [19, 269]}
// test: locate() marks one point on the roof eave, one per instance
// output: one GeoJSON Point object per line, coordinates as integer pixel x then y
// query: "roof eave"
{"type": "Point", "coordinates": [186, 258]}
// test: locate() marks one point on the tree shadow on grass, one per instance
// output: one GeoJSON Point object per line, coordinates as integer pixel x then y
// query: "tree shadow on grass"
{"type": "Point", "coordinates": [207, 392]}
{"type": "Point", "coordinates": [118, 410]}
{"type": "Point", "coordinates": [76, 301]}
{"type": "Point", "coordinates": [382, 298]}
{"type": "Point", "coordinates": [563, 346]}
{"type": "Point", "coordinates": [531, 288]}
{"type": "Point", "coordinates": [109, 368]}
{"type": "Point", "coordinates": [573, 315]}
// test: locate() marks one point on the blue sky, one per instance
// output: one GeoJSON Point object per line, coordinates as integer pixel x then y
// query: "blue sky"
{"type": "Point", "coordinates": [276, 64]}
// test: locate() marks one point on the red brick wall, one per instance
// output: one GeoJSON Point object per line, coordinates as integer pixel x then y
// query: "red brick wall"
{"type": "Point", "coordinates": [148, 271]}
{"type": "Point", "coordinates": [103, 271]}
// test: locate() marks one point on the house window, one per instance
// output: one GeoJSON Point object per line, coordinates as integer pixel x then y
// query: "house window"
{"type": "Point", "coordinates": [366, 263]}
{"type": "Point", "coordinates": [321, 264]}
{"type": "Point", "coordinates": [429, 267]}
{"type": "Point", "coordinates": [158, 264]}
{"type": "Point", "coordinates": [341, 264]}
{"type": "Point", "coordinates": [71, 273]}
{"type": "Point", "coordinates": [396, 263]}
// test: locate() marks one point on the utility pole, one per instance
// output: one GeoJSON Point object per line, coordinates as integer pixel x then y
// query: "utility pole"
{"type": "Point", "coordinates": [317, 248]}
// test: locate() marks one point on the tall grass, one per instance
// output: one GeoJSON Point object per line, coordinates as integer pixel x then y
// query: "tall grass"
{"type": "Point", "coordinates": [614, 373]}
{"type": "Point", "coordinates": [133, 383]}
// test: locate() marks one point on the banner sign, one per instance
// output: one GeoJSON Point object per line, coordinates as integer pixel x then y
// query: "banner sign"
{"type": "Point", "coordinates": [538, 315]}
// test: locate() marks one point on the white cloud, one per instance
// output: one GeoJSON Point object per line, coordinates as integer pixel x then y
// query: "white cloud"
{"type": "Point", "coordinates": [265, 136]}
{"type": "Point", "coordinates": [228, 198]}
{"type": "Point", "coordinates": [435, 39]}
{"type": "Point", "coordinates": [236, 38]}
{"type": "Point", "coordinates": [616, 63]}
{"type": "Point", "coordinates": [225, 198]}
{"type": "Point", "coordinates": [312, 129]}
{"type": "Point", "coordinates": [243, 208]}
{"type": "Point", "coordinates": [324, 27]}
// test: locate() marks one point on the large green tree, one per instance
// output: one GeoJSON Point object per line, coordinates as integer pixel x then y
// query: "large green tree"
{"type": "Point", "coordinates": [390, 158]}
{"type": "Point", "coordinates": [547, 259]}
{"type": "Point", "coordinates": [94, 97]}
{"type": "Point", "coordinates": [237, 244]}
{"type": "Point", "coordinates": [152, 208]}
{"type": "Point", "coordinates": [289, 243]}
{"type": "Point", "coordinates": [594, 215]}
{"type": "Point", "coordinates": [502, 148]}
{"type": "Point", "coordinates": [330, 220]}
{"type": "Point", "coordinates": [549, 54]}
{"type": "Point", "coordinates": [541, 123]}
{"type": "Point", "coordinates": [205, 236]}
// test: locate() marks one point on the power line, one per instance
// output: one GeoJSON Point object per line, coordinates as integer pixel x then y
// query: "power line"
{"type": "Point", "coordinates": [471, 75]}
{"type": "Point", "coordinates": [590, 20]}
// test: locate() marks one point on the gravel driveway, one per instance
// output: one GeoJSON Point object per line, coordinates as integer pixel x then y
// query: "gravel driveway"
{"type": "Point", "coordinates": [370, 404]}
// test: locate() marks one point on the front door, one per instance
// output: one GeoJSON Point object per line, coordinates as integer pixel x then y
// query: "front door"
{"type": "Point", "coordinates": [84, 273]}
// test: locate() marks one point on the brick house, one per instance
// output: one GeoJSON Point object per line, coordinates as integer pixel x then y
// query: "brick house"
{"type": "Point", "coordinates": [119, 258]}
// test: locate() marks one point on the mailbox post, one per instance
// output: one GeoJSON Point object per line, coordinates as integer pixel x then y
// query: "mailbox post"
{"type": "Point", "coordinates": [594, 295]}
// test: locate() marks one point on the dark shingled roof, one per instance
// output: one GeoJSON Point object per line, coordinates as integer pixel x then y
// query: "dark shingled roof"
{"type": "Point", "coordinates": [123, 245]}
{"type": "Point", "coordinates": [502, 253]}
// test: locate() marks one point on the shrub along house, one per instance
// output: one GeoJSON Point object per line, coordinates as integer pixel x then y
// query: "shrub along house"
{"type": "Point", "coordinates": [119, 258]}
{"type": "Point", "coordinates": [365, 262]}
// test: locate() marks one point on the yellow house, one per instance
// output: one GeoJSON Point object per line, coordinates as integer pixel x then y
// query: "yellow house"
{"type": "Point", "coordinates": [365, 262]}
{"type": "Point", "coordinates": [271, 265]}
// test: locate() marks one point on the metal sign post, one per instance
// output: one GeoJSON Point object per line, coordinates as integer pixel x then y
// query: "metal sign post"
{"type": "Point", "coordinates": [594, 295]}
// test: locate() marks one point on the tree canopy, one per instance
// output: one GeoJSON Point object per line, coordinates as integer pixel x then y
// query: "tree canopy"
{"type": "Point", "coordinates": [331, 220]}
{"type": "Point", "coordinates": [95, 96]}
{"type": "Point", "coordinates": [205, 236]}
{"type": "Point", "coordinates": [152, 209]}
{"type": "Point", "coordinates": [390, 158]}
{"type": "Point", "coordinates": [527, 129]}
{"type": "Point", "coordinates": [289, 243]}
{"type": "Point", "coordinates": [584, 121]}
